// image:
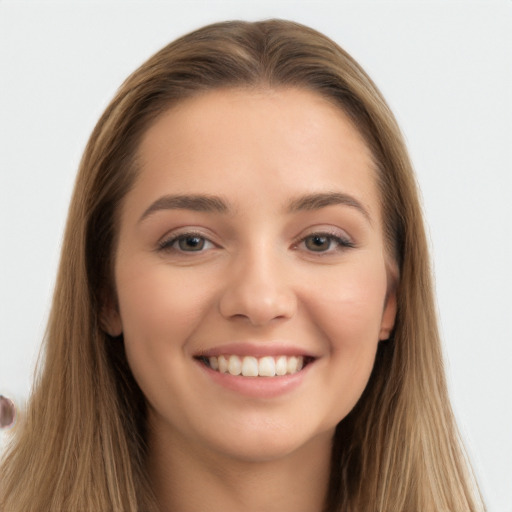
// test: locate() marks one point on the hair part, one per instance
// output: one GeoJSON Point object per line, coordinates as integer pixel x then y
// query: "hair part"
{"type": "Point", "coordinates": [82, 444]}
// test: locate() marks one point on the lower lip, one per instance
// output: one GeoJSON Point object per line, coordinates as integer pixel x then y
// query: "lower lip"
{"type": "Point", "coordinates": [257, 387]}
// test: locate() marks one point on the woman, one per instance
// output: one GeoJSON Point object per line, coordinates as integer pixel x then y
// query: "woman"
{"type": "Point", "coordinates": [243, 316]}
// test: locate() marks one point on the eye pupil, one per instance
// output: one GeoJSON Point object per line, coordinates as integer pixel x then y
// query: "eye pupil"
{"type": "Point", "coordinates": [318, 243]}
{"type": "Point", "coordinates": [191, 243]}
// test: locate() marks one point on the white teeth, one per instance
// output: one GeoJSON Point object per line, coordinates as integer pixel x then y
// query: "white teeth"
{"type": "Point", "coordinates": [249, 366]}
{"type": "Point", "coordinates": [267, 367]}
{"type": "Point", "coordinates": [291, 365]}
{"type": "Point", "coordinates": [281, 365]}
{"type": "Point", "coordinates": [234, 365]}
{"type": "Point", "coordinates": [223, 364]}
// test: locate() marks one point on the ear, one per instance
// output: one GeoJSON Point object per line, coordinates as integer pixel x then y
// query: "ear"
{"type": "Point", "coordinates": [111, 320]}
{"type": "Point", "coordinates": [388, 315]}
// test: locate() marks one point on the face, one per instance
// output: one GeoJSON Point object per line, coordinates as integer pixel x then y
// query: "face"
{"type": "Point", "coordinates": [251, 274]}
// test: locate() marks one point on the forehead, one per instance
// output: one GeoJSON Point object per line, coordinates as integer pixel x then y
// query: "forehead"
{"type": "Point", "coordinates": [279, 142]}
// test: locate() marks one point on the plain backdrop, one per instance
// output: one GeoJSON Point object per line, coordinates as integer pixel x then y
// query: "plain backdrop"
{"type": "Point", "coordinates": [445, 68]}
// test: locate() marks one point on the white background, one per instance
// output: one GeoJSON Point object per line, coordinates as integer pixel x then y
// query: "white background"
{"type": "Point", "coordinates": [445, 68]}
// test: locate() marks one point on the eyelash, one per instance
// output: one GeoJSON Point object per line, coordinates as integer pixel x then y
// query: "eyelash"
{"type": "Point", "coordinates": [343, 243]}
{"type": "Point", "coordinates": [167, 243]}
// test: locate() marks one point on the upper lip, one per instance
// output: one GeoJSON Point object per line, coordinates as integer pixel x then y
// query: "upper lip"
{"type": "Point", "coordinates": [258, 349]}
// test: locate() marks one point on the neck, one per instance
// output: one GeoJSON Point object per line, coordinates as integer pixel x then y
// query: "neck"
{"type": "Point", "coordinates": [192, 479]}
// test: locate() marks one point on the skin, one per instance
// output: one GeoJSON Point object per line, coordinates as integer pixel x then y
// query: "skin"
{"type": "Point", "coordinates": [257, 282]}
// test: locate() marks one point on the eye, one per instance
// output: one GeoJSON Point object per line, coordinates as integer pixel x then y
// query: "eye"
{"type": "Point", "coordinates": [325, 242]}
{"type": "Point", "coordinates": [186, 242]}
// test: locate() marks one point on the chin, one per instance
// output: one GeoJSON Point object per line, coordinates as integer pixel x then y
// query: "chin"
{"type": "Point", "coordinates": [269, 443]}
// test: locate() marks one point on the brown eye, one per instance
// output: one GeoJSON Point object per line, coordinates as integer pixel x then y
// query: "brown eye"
{"type": "Point", "coordinates": [318, 243]}
{"type": "Point", "coordinates": [326, 243]}
{"type": "Point", "coordinates": [186, 243]}
{"type": "Point", "coordinates": [191, 243]}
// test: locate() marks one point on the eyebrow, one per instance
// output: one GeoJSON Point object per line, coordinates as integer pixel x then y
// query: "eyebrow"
{"type": "Point", "coordinates": [197, 203]}
{"type": "Point", "coordinates": [216, 204]}
{"type": "Point", "coordinates": [324, 199]}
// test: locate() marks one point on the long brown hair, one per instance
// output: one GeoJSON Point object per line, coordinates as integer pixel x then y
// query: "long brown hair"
{"type": "Point", "coordinates": [81, 445]}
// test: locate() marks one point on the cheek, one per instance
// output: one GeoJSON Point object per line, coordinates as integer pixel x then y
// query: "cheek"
{"type": "Point", "coordinates": [348, 308]}
{"type": "Point", "coordinates": [347, 314]}
{"type": "Point", "coordinates": [154, 300]}
{"type": "Point", "coordinates": [159, 313]}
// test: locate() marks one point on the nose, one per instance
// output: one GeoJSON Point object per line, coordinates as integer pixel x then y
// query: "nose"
{"type": "Point", "coordinates": [258, 290]}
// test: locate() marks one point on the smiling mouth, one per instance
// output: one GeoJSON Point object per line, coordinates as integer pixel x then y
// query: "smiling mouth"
{"type": "Point", "coordinates": [249, 366]}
